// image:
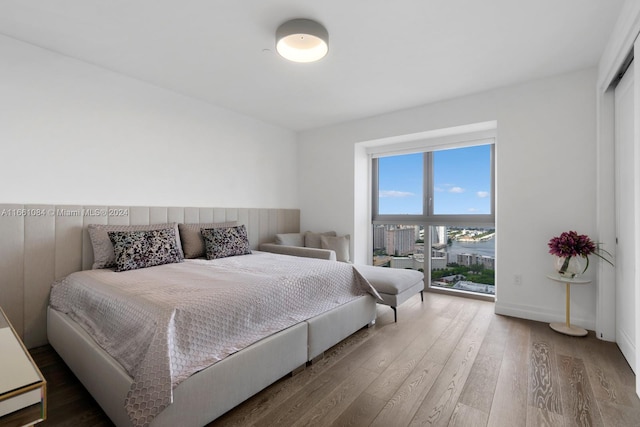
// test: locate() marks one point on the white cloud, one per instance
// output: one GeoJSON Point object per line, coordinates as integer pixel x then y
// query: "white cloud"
{"type": "Point", "coordinates": [395, 194]}
{"type": "Point", "coordinates": [483, 194]}
{"type": "Point", "coordinates": [457, 190]}
{"type": "Point", "coordinates": [472, 210]}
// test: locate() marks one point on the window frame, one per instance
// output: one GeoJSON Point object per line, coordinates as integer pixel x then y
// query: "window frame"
{"type": "Point", "coordinates": [428, 218]}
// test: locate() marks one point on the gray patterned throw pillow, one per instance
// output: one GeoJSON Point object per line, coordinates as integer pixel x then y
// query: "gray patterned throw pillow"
{"type": "Point", "coordinates": [226, 242]}
{"type": "Point", "coordinates": [141, 249]}
{"type": "Point", "coordinates": [103, 254]}
{"type": "Point", "coordinates": [192, 240]}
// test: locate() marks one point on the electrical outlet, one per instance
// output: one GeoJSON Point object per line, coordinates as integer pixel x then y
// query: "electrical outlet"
{"type": "Point", "coordinates": [517, 279]}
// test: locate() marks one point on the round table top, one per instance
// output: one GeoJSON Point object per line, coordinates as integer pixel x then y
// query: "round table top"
{"type": "Point", "coordinates": [575, 281]}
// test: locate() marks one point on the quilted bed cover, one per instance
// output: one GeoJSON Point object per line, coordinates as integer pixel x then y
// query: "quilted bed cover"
{"type": "Point", "coordinates": [168, 322]}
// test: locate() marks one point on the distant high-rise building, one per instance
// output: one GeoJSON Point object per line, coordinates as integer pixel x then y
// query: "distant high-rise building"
{"type": "Point", "coordinates": [467, 259]}
{"type": "Point", "coordinates": [400, 241]}
{"type": "Point", "coordinates": [439, 235]}
{"type": "Point", "coordinates": [378, 237]}
{"type": "Point", "coordinates": [473, 259]}
{"type": "Point", "coordinates": [407, 262]}
{"type": "Point", "coordinates": [438, 262]}
{"type": "Point", "coordinates": [488, 262]}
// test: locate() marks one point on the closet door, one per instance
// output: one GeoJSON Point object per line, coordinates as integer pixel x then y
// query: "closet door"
{"type": "Point", "coordinates": [625, 215]}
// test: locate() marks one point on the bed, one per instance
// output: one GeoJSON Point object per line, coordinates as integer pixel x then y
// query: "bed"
{"type": "Point", "coordinates": [205, 391]}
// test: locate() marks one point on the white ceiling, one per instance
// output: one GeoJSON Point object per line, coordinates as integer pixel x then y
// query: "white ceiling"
{"type": "Point", "coordinates": [384, 55]}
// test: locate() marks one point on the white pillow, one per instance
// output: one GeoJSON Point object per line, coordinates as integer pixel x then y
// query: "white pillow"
{"type": "Point", "coordinates": [339, 244]}
{"type": "Point", "coordinates": [290, 239]}
{"type": "Point", "coordinates": [312, 240]}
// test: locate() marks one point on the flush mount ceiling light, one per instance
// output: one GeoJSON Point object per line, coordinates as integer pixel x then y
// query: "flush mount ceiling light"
{"type": "Point", "coordinates": [302, 40]}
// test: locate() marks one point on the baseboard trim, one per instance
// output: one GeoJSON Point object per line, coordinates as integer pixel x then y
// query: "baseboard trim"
{"type": "Point", "coordinates": [627, 347]}
{"type": "Point", "coordinates": [541, 315]}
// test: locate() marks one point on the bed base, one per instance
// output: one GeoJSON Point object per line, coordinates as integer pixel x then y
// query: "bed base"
{"type": "Point", "coordinates": [211, 392]}
{"type": "Point", "coordinates": [328, 329]}
{"type": "Point", "coordinates": [199, 399]}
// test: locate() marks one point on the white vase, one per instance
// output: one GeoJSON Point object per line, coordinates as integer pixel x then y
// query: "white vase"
{"type": "Point", "coordinates": [575, 266]}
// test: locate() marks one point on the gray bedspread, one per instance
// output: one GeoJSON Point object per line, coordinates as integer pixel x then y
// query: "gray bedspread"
{"type": "Point", "coordinates": [165, 323]}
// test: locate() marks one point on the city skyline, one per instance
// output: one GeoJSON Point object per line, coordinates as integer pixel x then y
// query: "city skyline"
{"type": "Point", "coordinates": [462, 182]}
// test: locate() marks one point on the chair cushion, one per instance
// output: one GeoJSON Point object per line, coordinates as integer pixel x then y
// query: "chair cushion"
{"type": "Point", "coordinates": [392, 281]}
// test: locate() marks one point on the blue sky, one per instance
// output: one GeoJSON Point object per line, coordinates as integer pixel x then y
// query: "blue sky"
{"type": "Point", "coordinates": [462, 182]}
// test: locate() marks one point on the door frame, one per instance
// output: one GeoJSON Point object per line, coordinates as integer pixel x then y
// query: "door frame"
{"type": "Point", "coordinates": [621, 43]}
{"type": "Point", "coordinates": [625, 213]}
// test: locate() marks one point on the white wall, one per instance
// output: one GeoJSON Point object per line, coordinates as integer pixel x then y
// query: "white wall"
{"type": "Point", "coordinates": [72, 133]}
{"type": "Point", "coordinates": [546, 167]}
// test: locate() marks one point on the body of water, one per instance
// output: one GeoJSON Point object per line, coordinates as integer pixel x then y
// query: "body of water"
{"type": "Point", "coordinates": [485, 248]}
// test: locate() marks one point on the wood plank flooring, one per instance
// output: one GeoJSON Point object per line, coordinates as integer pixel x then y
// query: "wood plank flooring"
{"type": "Point", "coordinates": [449, 361]}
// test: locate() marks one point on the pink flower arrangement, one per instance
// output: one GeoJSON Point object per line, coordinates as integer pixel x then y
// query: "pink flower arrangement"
{"type": "Point", "coordinates": [571, 244]}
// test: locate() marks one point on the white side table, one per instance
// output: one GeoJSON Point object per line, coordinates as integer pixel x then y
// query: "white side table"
{"type": "Point", "coordinates": [566, 328]}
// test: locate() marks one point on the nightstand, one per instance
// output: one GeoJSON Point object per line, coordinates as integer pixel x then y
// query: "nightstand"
{"type": "Point", "coordinates": [23, 389]}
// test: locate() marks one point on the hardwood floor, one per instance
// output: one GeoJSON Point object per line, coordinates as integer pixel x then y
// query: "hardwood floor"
{"type": "Point", "coordinates": [448, 361]}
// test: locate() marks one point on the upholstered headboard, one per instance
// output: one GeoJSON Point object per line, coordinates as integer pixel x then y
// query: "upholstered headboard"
{"type": "Point", "coordinates": [42, 243]}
